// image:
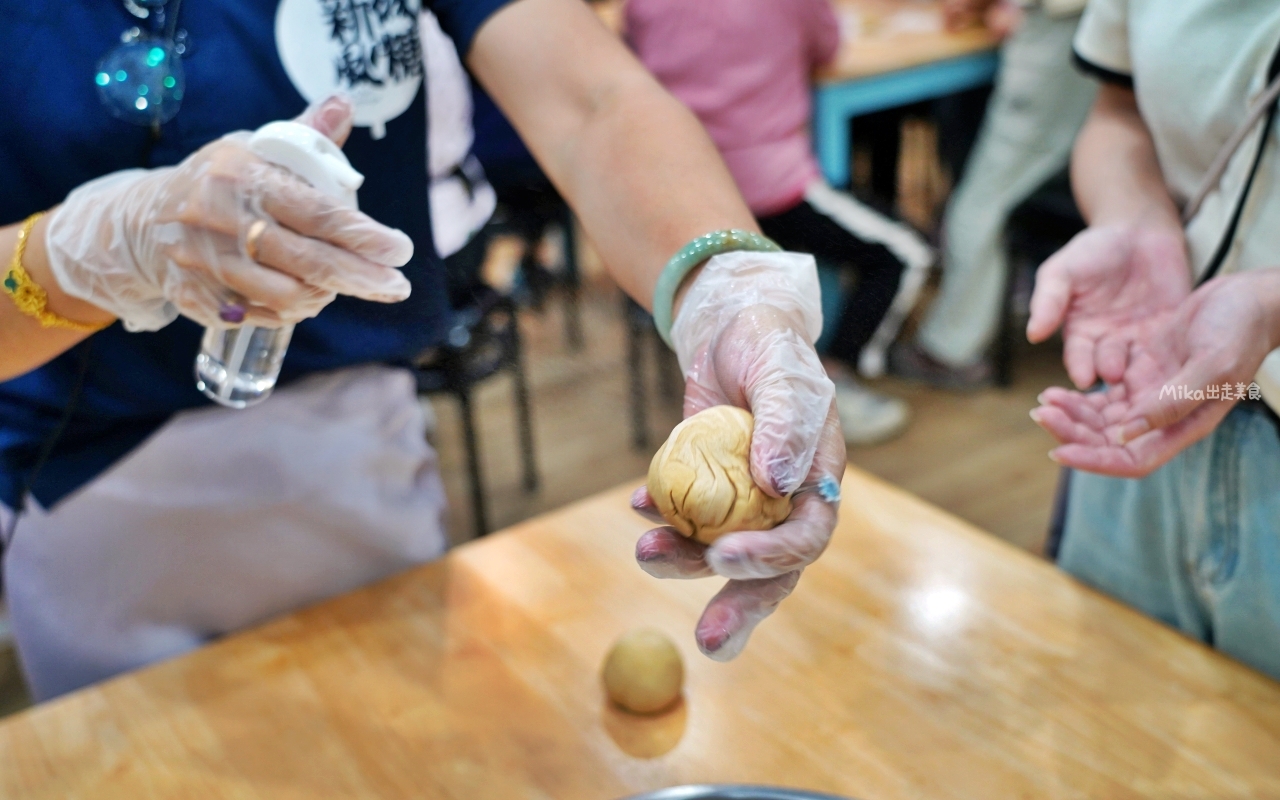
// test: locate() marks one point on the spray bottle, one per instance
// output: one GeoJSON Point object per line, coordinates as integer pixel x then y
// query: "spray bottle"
{"type": "Point", "coordinates": [238, 367]}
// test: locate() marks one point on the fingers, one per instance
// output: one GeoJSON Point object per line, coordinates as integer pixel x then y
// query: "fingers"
{"type": "Point", "coordinates": [736, 610]}
{"type": "Point", "coordinates": [1147, 453]}
{"type": "Point", "coordinates": [1111, 356]}
{"type": "Point", "coordinates": [642, 503]}
{"type": "Point", "coordinates": [793, 545]}
{"type": "Point", "coordinates": [1067, 429]}
{"type": "Point", "coordinates": [1164, 409]}
{"type": "Point", "coordinates": [1049, 299]}
{"type": "Point", "coordinates": [1078, 352]}
{"type": "Point", "coordinates": [199, 299]}
{"type": "Point", "coordinates": [664, 553]}
{"type": "Point", "coordinates": [214, 262]}
{"type": "Point", "coordinates": [333, 116]}
{"type": "Point", "coordinates": [319, 264]}
{"type": "Point", "coordinates": [311, 213]}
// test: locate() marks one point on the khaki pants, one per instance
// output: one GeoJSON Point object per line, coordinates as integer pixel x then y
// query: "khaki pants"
{"type": "Point", "coordinates": [1039, 105]}
{"type": "Point", "coordinates": [222, 519]}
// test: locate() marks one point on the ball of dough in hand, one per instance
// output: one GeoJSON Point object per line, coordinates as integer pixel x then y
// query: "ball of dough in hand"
{"type": "Point", "coordinates": [700, 479]}
{"type": "Point", "coordinates": [643, 672]}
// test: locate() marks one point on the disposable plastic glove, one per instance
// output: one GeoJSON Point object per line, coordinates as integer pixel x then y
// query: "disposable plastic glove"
{"type": "Point", "coordinates": [744, 335]}
{"type": "Point", "coordinates": [147, 245]}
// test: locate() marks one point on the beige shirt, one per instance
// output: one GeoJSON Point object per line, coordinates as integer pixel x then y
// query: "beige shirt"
{"type": "Point", "coordinates": [1196, 65]}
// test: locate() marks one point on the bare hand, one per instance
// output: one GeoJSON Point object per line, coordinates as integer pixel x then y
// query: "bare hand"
{"type": "Point", "coordinates": [1173, 389]}
{"type": "Point", "coordinates": [1104, 289]}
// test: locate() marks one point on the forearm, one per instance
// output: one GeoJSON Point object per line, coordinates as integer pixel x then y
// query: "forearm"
{"type": "Point", "coordinates": [1114, 170]}
{"type": "Point", "coordinates": [636, 166]}
{"type": "Point", "coordinates": [24, 343]}
{"type": "Point", "coordinates": [1266, 290]}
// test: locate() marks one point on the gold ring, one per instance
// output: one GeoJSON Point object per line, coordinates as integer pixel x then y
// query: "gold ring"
{"type": "Point", "coordinates": [256, 229]}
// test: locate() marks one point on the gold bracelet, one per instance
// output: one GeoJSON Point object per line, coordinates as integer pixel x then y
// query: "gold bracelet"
{"type": "Point", "coordinates": [27, 294]}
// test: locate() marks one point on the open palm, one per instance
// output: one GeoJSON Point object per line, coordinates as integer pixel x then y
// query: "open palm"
{"type": "Point", "coordinates": [1104, 289]}
{"type": "Point", "coordinates": [1184, 374]}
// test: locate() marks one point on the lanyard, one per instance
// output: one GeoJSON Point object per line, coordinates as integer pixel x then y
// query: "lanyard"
{"type": "Point", "coordinates": [1265, 108]}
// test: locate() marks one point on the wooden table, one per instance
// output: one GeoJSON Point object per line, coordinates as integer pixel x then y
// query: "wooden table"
{"type": "Point", "coordinates": [920, 658]}
{"type": "Point", "coordinates": [894, 52]}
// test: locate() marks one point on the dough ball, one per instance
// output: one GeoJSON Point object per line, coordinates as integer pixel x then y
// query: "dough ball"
{"type": "Point", "coordinates": [700, 479]}
{"type": "Point", "coordinates": [643, 672]}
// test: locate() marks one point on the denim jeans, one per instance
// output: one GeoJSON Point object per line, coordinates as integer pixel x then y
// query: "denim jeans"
{"type": "Point", "coordinates": [1197, 543]}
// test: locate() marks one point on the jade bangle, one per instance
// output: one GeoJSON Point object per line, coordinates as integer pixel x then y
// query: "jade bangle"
{"type": "Point", "coordinates": [690, 256]}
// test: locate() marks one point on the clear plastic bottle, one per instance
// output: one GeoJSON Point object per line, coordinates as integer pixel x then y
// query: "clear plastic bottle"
{"type": "Point", "coordinates": [239, 366]}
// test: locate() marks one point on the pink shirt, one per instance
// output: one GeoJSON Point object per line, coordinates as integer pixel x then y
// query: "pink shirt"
{"type": "Point", "coordinates": [743, 66]}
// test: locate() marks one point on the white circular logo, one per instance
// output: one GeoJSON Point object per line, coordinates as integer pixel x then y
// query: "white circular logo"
{"type": "Point", "coordinates": [367, 48]}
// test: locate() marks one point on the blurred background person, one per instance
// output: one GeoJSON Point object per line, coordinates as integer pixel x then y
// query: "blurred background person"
{"type": "Point", "coordinates": [1039, 103]}
{"type": "Point", "coordinates": [744, 67]}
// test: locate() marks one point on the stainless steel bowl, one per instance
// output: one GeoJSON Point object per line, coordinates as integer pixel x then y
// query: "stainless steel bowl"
{"type": "Point", "coordinates": [725, 791]}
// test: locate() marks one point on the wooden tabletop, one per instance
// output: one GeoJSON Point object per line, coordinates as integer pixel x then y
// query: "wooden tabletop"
{"type": "Point", "coordinates": [919, 658]}
{"type": "Point", "coordinates": [882, 36]}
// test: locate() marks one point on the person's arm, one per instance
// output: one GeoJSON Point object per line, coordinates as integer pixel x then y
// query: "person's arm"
{"type": "Point", "coordinates": [1122, 291]}
{"type": "Point", "coordinates": [645, 180]}
{"type": "Point", "coordinates": [144, 245]}
{"type": "Point", "coordinates": [1130, 264]}
{"type": "Point", "coordinates": [635, 164]}
{"type": "Point", "coordinates": [24, 342]}
{"type": "Point", "coordinates": [1114, 170]}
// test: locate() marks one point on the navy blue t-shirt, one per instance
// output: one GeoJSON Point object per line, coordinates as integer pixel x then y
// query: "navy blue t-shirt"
{"type": "Point", "coordinates": [57, 135]}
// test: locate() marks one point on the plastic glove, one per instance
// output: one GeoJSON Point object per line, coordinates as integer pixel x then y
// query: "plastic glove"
{"type": "Point", "coordinates": [147, 245]}
{"type": "Point", "coordinates": [1170, 394]}
{"type": "Point", "coordinates": [1104, 288]}
{"type": "Point", "coordinates": [744, 335]}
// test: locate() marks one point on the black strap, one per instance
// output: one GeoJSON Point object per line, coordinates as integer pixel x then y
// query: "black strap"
{"type": "Point", "coordinates": [1229, 234]}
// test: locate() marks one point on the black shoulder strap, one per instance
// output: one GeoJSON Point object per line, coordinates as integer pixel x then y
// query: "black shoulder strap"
{"type": "Point", "coordinates": [1229, 234]}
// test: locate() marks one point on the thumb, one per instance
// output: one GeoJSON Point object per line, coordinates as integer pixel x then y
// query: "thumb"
{"type": "Point", "coordinates": [332, 116]}
{"type": "Point", "coordinates": [1049, 300]}
{"type": "Point", "coordinates": [1169, 403]}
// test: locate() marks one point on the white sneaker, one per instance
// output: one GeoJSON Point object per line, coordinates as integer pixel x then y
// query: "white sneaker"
{"type": "Point", "coordinates": [869, 417]}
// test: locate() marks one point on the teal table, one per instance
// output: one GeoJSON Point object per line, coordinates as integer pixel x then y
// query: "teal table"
{"type": "Point", "coordinates": [839, 101]}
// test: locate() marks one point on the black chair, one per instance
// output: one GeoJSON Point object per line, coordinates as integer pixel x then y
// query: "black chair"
{"type": "Point", "coordinates": [484, 340]}
{"type": "Point", "coordinates": [640, 329]}
{"type": "Point", "coordinates": [527, 206]}
{"type": "Point", "coordinates": [1037, 228]}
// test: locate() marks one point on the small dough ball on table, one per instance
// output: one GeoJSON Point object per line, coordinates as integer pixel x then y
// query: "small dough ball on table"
{"type": "Point", "coordinates": [643, 672]}
{"type": "Point", "coordinates": [700, 479]}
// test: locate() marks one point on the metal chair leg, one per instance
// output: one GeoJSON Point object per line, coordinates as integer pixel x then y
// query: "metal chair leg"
{"type": "Point", "coordinates": [524, 414]}
{"type": "Point", "coordinates": [572, 284]}
{"type": "Point", "coordinates": [480, 522]}
{"type": "Point", "coordinates": [1002, 357]}
{"type": "Point", "coordinates": [635, 373]}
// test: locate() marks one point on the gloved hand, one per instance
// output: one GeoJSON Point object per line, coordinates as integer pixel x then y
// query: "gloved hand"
{"type": "Point", "coordinates": [1170, 394]}
{"type": "Point", "coordinates": [744, 335]}
{"type": "Point", "coordinates": [147, 245]}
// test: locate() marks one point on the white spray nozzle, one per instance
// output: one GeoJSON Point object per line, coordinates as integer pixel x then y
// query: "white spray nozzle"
{"type": "Point", "coordinates": [310, 155]}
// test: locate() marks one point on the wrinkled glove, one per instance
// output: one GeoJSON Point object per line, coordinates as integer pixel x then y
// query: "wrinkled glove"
{"type": "Point", "coordinates": [744, 335]}
{"type": "Point", "coordinates": [147, 245]}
